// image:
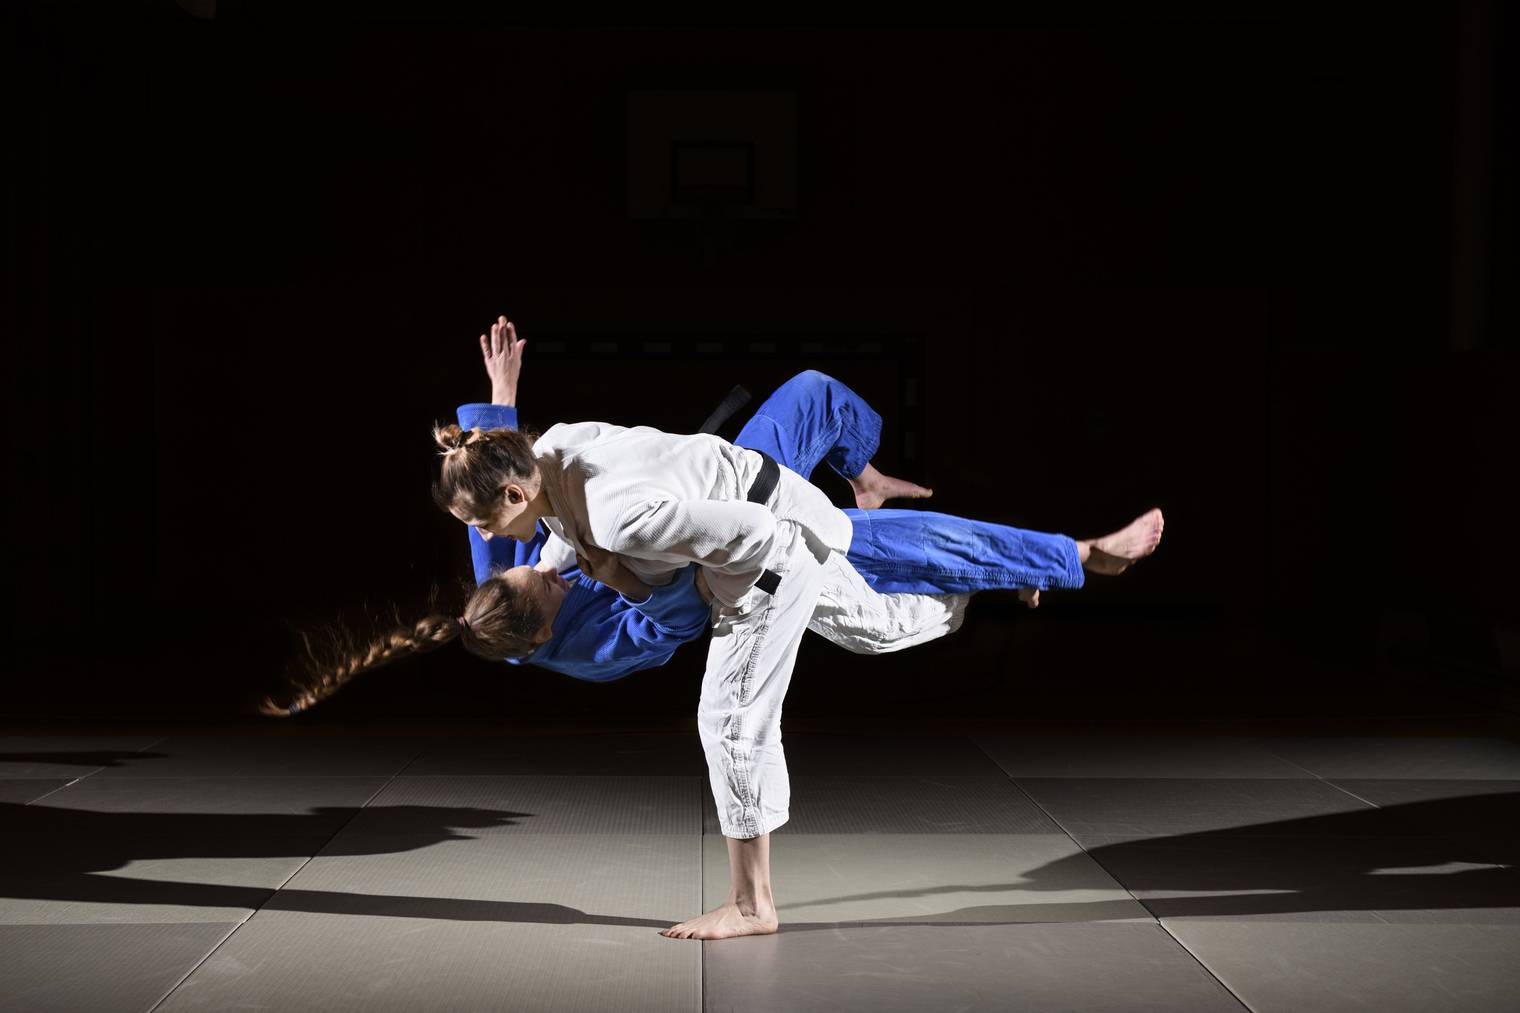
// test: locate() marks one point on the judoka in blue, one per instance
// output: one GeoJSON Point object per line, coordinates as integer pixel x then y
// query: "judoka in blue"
{"type": "Point", "coordinates": [600, 635]}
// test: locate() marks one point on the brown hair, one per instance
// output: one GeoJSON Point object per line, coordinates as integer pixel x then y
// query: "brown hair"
{"type": "Point", "coordinates": [477, 462]}
{"type": "Point", "coordinates": [498, 623]}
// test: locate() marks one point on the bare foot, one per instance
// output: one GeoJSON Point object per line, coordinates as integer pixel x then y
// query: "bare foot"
{"type": "Point", "coordinates": [1030, 596]}
{"type": "Point", "coordinates": [872, 489]}
{"type": "Point", "coordinates": [725, 922]}
{"type": "Point", "coordinates": [1114, 553]}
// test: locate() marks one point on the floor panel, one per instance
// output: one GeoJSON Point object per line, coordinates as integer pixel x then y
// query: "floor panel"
{"type": "Point", "coordinates": [21, 790]}
{"type": "Point", "coordinates": [541, 804]}
{"type": "Point", "coordinates": [644, 880]}
{"type": "Point", "coordinates": [1095, 968]}
{"type": "Point", "coordinates": [269, 756]}
{"type": "Point", "coordinates": [68, 756]}
{"type": "Point", "coordinates": [1135, 756]}
{"type": "Point", "coordinates": [1152, 807]}
{"type": "Point", "coordinates": [1353, 879]}
{"type": "Point", "coordinates": [195, 807]}
{"type": "Point", "coordinates": [1440, 807]}
{"type": "Point", "coordinates": [1393, 756]}
{"type": "Point", "coordinates": [282, 960]}
{"type": "Point", "coordinates": [53, 880]}
{"type": "Point", "coordinates": [98, 968]}
{"type": "Point", "coordinates": [1308, 968]}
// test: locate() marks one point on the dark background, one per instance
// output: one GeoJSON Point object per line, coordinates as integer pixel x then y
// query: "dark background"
{"type": "Point", "coordinates": [1255, 269]}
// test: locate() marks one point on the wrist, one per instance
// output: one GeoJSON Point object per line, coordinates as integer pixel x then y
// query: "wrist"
{"type": "Point", "coordinates": [630, 586]}
{"type": "Point", "coordinates": [504, 396]}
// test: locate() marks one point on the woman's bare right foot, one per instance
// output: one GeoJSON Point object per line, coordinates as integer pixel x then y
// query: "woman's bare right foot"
{"type": "Point", "coordinates": [1114, 553]}
{"type": "Point", "coordinates": [872, 489]}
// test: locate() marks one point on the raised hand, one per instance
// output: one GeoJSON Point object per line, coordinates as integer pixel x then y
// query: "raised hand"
{"type": "Point", "coordinates": [502, 353]}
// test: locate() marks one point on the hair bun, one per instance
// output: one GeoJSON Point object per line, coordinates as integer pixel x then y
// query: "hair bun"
{"type": "Point", "coordinates": [451, 437]}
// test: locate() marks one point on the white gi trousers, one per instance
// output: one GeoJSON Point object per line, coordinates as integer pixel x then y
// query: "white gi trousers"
{"type": "Point", "coordinates": [750, 658]}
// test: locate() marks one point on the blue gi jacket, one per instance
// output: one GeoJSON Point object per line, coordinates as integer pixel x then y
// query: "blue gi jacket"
{"type": "Point", "coordinates": [599, 634]}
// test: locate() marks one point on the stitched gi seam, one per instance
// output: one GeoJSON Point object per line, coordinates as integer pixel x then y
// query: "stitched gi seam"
{"type": "Point", "coordinates": [749, 813]}
{"type": "Point", "coordinates": [1020, 578]}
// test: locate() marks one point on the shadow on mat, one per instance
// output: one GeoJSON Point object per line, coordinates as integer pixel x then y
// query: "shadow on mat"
{"type": "Point", "coordinates": [1453, 853]}
{"type": "Point", "coordinates": [50, 853]}
{"type": "Point", "coordinates": [1450, 853]}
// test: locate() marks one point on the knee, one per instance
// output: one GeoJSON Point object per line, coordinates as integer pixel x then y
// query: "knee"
{"type": "Point", "coordinates": [809, 380]}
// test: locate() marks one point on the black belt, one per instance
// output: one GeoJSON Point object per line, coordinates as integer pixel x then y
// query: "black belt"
{"type": "Point", "coordinates": [732, 402]}
{"type": "Point", "coordinates": [760, 491]}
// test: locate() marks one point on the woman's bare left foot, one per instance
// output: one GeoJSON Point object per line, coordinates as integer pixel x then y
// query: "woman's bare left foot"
{"type": "Point", "coordinates": [1114, 553]}
{"type": "Point", "coordinates": [872, 489]}
{"type": "Point", "coordinates": [724, 922]}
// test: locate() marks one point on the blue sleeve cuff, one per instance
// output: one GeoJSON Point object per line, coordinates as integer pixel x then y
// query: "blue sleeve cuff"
{"type": "Point", "coordinates": [486, 416]}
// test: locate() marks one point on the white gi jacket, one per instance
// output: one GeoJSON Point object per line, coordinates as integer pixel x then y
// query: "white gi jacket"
{"type": "Point", "coordinates": [662, 501]}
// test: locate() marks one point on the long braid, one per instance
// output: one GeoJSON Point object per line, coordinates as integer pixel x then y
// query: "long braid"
{"type": "Point", "coordinates": [497, 623]}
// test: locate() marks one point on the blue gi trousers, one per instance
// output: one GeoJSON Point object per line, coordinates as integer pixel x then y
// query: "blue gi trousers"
{"type": "Point", "coordinates": [813, 418]}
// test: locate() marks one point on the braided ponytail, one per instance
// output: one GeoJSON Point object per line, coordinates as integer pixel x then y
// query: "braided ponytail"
{"type": "Point", "coordinates": [497, 623]}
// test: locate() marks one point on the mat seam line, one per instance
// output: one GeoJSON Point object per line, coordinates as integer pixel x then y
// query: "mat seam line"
{"type": "Point", "coordinates": [1160, 924]}
{"type": "Point", "coordinates": [248, 917]}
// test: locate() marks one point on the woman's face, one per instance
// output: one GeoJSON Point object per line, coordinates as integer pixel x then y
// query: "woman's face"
{"type": "Point", "coordinates": [547, 591]}
{"type": "Point", "coordinates": [512, 517]}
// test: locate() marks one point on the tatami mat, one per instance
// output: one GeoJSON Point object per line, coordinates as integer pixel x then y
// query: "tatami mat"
{"type": "Point", "coordinates": [915, 872]}
{"type": "Point", "coordinates": [1130, 756]}
{"type": "Point", "coordinates": [1395, 756]}
{"type": "Point", "coordinates": [1323, 967]}
{"type": "Point", "coordinates": [1162, 807]}
{"type": "Point", "coordinates": [268, 756]}
{"type": "Point", "coordinates": [541, 804]}
{"type": "Point", "coordinates": [68, 756]}
{"type": "Point", "coordinates": [108, 878]}
{"type": "Point", "coordinates": [283, 960]}
{"type": "Point", "coordinates": [98, 968]}
{"type": "Point", "coordinates": [196, 806]}
{"type": "Point", "coordinates": [1355, 879]}
{"type": "Point", "coordinates": [1094, 968]}
{"type": "Point", "coordinates": [21, 790]}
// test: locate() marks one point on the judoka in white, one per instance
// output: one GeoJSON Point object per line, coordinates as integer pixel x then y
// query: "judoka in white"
{"type": "Point", "coordinates": [660, 502]}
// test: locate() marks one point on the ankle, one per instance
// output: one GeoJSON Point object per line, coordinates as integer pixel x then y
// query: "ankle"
{"type": "Point", "coordinates": [749, 899]}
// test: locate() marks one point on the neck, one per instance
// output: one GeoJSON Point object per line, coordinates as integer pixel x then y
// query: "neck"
{"type": "Point", "coordinates": [552, 611]}
{"type": "Point", "coordinates": [539, 505]}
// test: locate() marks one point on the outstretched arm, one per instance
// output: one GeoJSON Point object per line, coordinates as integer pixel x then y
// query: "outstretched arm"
{"type": "Point", "coordinates": [501, 352]}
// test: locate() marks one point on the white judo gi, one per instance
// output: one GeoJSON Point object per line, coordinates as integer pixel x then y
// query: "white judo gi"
{"type": "Point", "coordinates": [662, 501]}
